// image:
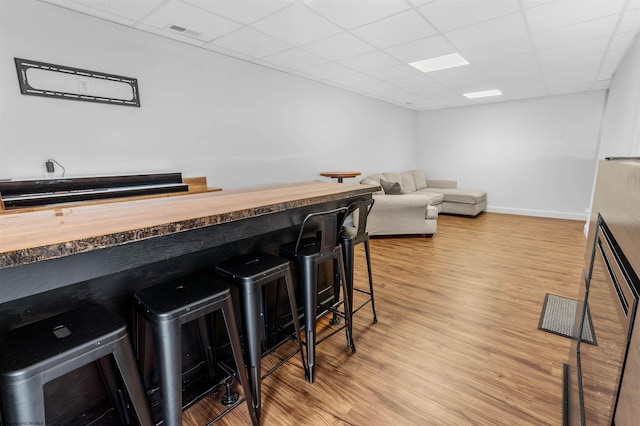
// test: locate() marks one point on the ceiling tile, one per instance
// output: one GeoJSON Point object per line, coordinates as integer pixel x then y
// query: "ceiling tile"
{"type": "Point", "coordinates": [458, 100]}
{"type": "Point", "coordinates": [208, 25]}
{"type": "Point", "coordinates": [424, 105]}
{"type": "Point", "coordinates": [607, 70]}
{"type": "Point", "coordinates": [418, 50]}
{"type": "Point", "coordinates": [534, 3]}
{"type": "Point", "coordinates": [328, 70]}
{"type": "Point", "coordinates": [296, 25]}
{"type": "Point", "coordinates": [504, 28]}
{"type": "Point", "coordinates": [244, 11]}
{"type": "Point", "coordinates": [369, 61]}
{"type": "Point", "coordinates": [421, 2]}
{"type": "Point", "coordinates": [227, 52]}
{"type": "Point", "coordinates": [502, 56]}
{"type": "Point", "coordinates": [568, 65]}
{"type": "Point", "coordinates": [121, 11]}
{"type": "Point", "coordinates": [614, 56]}
{"type": "Point", "coordinates": [353, 13]}
{"type": "Point", "coordinates": [575, 33]}
{"type": "Point", "coordinates": [521, 83]}
{"type": "Point", "coordinates": [568, 12]}
{"type": "Point", "coordinates": [561, 78]}
{"type": "Point", "coordinates": [409, 82]}
{"type": "Point", "coordinates": [630, 21]}
{"type": "Point", "coordinates": [601, 85]}
{"type": "Point", "coordinates": [524, 63]}
{"type": "Point", "coordinates": [396, 93]}
{"type": "Point", "coordinates": [527, 93]}
{"type": "Point", "coordinates": [500, 49]}
{"type": "Point", "coordinates": [529, 75]}
{"type": "Point", "coordinates": [166, 33]}
{"type": "Point", "coordinates": [431, 90]}
{"type": "Point", "coordinates": [622, 40]}
{"type": "Point", "coordinates": [250, 42]}
{"type": "Point", "coordinates": [453, 14]}
{"type": "Point", "coordinates": [404, 27]}
{"type": "Point", "coordinates": [294, 59]}
{"type": "Point", "coordinates": [272, 65]}
{"type": "Point", "coordinates": [398, 71]}
{"type": "Point", "coordinates": [374, 86]}
{"type": "Point", "coordinates": [569, 88]}
{"type": "Point", "coordinates": [353, 80]}
{"type": "Point", "coordinates": [340, 46]}
{"type": "Point", "coordinates": [582, 48]}
{"type": "Point", "coordinates": [463, 79]}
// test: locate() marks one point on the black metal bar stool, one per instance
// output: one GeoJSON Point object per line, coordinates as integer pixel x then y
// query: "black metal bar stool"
{"type": "Point", "coordinates": [250, 273]}
{"type": "Point", "coordinates": [309, 253]}
{"type": "Point", "coordinates": [349, 238]}
{"type": "Point", "coordinates": [36, 354]}
{"type": "Point", "coordinates": [167, 307]}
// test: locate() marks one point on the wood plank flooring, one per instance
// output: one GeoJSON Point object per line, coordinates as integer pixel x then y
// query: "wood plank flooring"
{"type": "Point", "coordinates": [456, 341]}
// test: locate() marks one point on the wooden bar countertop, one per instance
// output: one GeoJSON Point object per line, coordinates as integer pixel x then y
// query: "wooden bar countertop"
{"type": "Point", "coordinates": [42, 235]}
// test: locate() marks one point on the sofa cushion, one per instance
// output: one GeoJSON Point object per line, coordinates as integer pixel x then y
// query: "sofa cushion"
{"type": "Point", "coordinates": [436, 197]}
{"type": "Point", "coordinates": [391, 188]}
{"type": "Point", "coordinates": [408, 184]}
{"type": "Point", "coordinates": [369, 181]}
{"type": "Point", "coordinates": [419, 179]}
{"type": "Point", "coordinates": [392, 177]}
{"type": "Point", "coordinates": [376, 177]}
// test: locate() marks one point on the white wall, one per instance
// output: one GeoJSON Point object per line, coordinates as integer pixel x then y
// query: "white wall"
{"type": "Point", "coordinates": [202, 113]}
{"type": "Point", "coordinates": [621, 122]}
{"type": "Point", "coordinates": [533, 157]}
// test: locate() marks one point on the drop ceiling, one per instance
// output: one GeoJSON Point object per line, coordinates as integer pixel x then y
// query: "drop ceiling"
{"type": "Point", "coordinates": [524, 48]}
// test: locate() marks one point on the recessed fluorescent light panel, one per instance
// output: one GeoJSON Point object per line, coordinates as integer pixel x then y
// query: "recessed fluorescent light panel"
{"type": "Point", "coordinates": [440, 63]}
{"type": "Point", "coordinates": [484, 94]}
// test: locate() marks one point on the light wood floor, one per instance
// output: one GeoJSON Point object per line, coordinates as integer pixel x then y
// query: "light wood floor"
{"type": "Point", "coordinates": [456, 341]}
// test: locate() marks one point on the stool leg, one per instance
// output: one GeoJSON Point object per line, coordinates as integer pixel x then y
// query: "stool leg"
{"type": "Point", "coordinates": [168, 338]}
{"type": "Point", "coordinates": [24, 402]}
{"type": "Point", "coordinates": [288, 279]}
{"type": "Point", "coordinates": [253, 338]}
{"type": "Point", "coordinates": [348, 254]}
{"type": "Point", "coordinates": [126, 362]}
{"type": "Point", "coordinates": [347, 307]}
{"type": "Point", "coordinates": [373, 304]}
{"type": "Point", "coordinates": [335, 319]}
{"type": "Point", "coordinates": [236, 347]}
{"type": "Point", "coordinates": [204, 334]}
{"type": "Point", "coordinates": [309, 281]}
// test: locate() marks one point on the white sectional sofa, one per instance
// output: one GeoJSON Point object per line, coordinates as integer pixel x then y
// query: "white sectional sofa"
{"type": "Point", "coordinates": [409, 203]}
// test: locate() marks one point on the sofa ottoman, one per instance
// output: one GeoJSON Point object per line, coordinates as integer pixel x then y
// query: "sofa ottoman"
{"type": "Point", "coordinates": [466, 202]}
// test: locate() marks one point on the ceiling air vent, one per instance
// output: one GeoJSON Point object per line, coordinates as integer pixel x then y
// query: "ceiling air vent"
{"type": "Point", "coordinates": [184, 31]}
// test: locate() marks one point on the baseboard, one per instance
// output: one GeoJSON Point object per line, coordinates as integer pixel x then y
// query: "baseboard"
{"type": "Point", "coordinates": [538, 213]}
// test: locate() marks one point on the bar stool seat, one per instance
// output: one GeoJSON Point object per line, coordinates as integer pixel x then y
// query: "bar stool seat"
{"type": "Point", "coordinates": [309, 253]}
{"type": "Point", "coordinates": [36, 354]}
{"type": "Point", "coordinates": [166, 307]}
{"type": "Point", "coordinates": [349, 238]}
{"type": "Point", "coordinates": [251, 273]}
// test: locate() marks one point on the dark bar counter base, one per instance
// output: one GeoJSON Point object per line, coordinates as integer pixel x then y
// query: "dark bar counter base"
{"type": "Point", "coordinates": [110, 276]}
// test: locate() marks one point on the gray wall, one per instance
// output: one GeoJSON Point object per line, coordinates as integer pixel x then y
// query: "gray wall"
{"type": "Point", "coordinates": [621, 125]}
{"type": "Point", "coordinates": [533, 157]}
{"type": "Point", "coordinates": [202, 113]}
